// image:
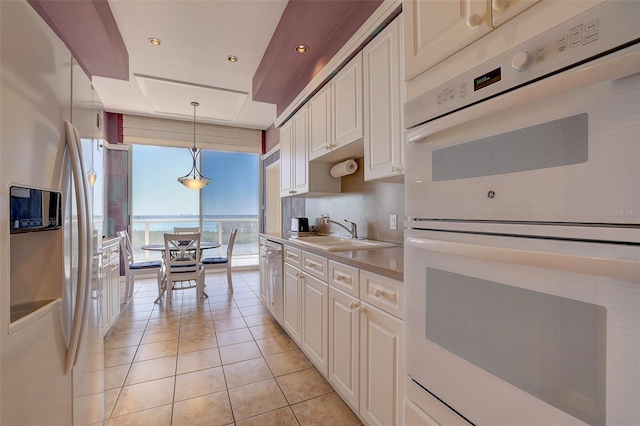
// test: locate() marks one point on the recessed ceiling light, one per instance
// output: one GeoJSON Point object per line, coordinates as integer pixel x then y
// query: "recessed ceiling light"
{"type": "Point", "coordinates": [155, 41]}
{"type": "Point", "coordinates": [232, 58]}
{"type": "Point", "coordinates": [301, 48]}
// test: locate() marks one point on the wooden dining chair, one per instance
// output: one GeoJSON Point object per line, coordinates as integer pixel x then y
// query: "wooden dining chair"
{"type": "Point", "coordinates": [183, 269]}
{"type": "Point", "coordinates": [223, 262]}
{"type": "Point", "coordinates": [187, 230]}
{"type": "Point", "coordinates": [133, 268]}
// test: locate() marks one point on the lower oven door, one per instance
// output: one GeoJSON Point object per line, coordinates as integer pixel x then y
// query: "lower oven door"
{"type": "Point", "coordinates": [509, 330]}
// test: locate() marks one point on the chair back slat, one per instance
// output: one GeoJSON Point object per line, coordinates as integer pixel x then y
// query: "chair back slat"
{"type": "Point", "coordinates": [182, 252]}
{"type": "Point", "coordinates": [189, 230]}
{"type": "Point", "coordinates": [232, 240]}
{"type": "Point", "coordinates": [125, 244]}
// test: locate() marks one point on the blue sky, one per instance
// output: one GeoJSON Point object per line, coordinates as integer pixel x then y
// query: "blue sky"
{"type": "Point", "coordinates": [233, 189]}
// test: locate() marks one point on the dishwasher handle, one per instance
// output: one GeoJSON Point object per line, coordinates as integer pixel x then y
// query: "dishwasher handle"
{"type": "Point", "coordinates": [273, 246]}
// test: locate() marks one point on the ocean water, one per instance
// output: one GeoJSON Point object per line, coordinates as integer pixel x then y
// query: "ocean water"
{"type": "Point", "coordinates": [214, 229]}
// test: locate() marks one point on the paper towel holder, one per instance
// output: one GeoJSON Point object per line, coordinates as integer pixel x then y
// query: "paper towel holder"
{"type": "Point", "coordinates": [344, 168]}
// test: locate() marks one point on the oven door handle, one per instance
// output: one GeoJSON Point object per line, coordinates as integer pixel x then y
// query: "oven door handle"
{"type": "Point", "coordinates": [627, 270]}
{"type": "Point", "coordinates": [604, 69]}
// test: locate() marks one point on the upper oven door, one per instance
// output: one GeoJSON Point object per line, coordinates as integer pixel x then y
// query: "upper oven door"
{"type": "Point", "coordinates": [563, 149]}
{"type": "Point", "coordinates": [524, 331]}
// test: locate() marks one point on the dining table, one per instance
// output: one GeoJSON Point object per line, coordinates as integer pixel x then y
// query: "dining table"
{"type": "Point", "coordinates": [204, 245]}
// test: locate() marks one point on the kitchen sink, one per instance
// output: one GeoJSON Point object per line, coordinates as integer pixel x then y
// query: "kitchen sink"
{"type": "Point", "coordinates": [333, 243]}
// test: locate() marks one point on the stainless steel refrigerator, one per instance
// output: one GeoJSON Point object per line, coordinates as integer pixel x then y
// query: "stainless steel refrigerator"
{"type": "Point", "coordinates": [52, 362]}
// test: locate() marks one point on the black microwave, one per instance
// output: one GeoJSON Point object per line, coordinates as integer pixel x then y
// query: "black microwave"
{"type": "Point", "coordinates": [35, 210]}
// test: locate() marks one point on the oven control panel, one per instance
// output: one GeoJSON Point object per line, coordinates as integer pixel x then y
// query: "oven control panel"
{"type": "Point", "coordinates": [597, 31]}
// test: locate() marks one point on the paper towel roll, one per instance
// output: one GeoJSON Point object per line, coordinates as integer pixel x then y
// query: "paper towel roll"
{"type": "Point", "coordinates": [345, 168]}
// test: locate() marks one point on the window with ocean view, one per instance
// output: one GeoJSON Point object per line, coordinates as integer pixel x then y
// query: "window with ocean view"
{"type": "Point", "coordinates": [160, 202]}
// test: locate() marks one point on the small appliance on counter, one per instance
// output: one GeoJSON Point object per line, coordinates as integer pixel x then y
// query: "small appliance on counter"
{"type": "Point", "coordinates": [300, 224]}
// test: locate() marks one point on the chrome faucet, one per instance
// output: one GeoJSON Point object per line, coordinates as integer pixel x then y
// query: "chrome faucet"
{"type": "Point", "coordinates": [354, 228]}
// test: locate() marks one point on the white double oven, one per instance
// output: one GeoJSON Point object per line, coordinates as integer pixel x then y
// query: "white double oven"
{"type": "Point", "coordinates": [522, 246]}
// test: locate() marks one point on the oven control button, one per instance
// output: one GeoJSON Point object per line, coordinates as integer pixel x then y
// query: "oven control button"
{"type": "Point", "coordinates": [521, 61]}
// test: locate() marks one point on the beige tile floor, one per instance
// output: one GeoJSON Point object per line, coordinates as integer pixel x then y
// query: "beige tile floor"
{"type": "Point", "coordinates": [226, 362]}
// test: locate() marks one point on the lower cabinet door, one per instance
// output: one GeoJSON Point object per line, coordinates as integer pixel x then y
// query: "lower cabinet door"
{"type": "Point", "coordinates": [114, 290]}
{"type": "Point", "coordinates": [381, 367]}
{"type": "Point", "coordinates": [315, 321]}
{"type": "Point", "coordinates": [344, 342]}
{"type": "Point", "coordinates": [292, 298]}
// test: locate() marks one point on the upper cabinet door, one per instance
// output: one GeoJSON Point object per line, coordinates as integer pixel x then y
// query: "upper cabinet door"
{"type": "Point", "coordinates": [346, 97]}
{"type": "Point", "coordinates": [320, 123]}
{"type": "Point", "coordinates": [301, 159]}
{"type": "Point", "coordinates": [286, 160]}
{"type": "Point", "coordinates": [436, 29]}
{"type": "Point", "coordinates": [383, 97]}
{"type": "Point", "coordinates": [503, 10]}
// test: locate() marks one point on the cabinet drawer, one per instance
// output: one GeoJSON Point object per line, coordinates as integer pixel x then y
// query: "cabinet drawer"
{"type": "Point", "coordinates": [292, 256]}
{"type": "Point", "coordinates": [382, 292]}
{"type": "Point", "coordinates": [315, 265]}
{"type": "Point", "coordinates": [345, 278]}
{"type": "Point", "coordinates": [114, 253]}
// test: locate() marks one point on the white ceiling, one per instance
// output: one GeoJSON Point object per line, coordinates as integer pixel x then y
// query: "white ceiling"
{"type": "Point", "coordinates": [191, 64]}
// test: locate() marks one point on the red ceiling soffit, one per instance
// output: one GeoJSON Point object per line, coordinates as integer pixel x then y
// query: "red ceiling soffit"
{"type": "Point", "coordinates": [323, 25]}
{"type": "Point", "coordinates": [91, 34]}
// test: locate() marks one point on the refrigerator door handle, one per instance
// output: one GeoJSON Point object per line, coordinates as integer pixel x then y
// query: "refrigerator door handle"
{"type": "Point", "coordinates": [88, 252]}
{"type": "Point", "coordinates": [73, 144]}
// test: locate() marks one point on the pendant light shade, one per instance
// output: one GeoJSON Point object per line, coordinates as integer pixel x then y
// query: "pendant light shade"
{"type": "Point", "coordinates": [194, 179]}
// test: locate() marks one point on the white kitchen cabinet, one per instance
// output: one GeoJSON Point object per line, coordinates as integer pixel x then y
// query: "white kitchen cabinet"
{"type": "Point", "coordinates": [320, 123]}
{"type": "Point", "coordinates": [346, 104]}
{"type": "Point", "coordinates": [503, 10]}
{"type": "Point", "coordinates": [294, 174]}
{"type": "Point", "coordinates": [287, 157]}
{"type": "Point", "coordinates": [344, 345]}
{"type": "Point", "coordinates": [110, 282]}
{"type": "Point", "coordinates": [381, 367]}
{"type": "Point", "coordinates": [383, 99]}
{"type": "Point", "coordinates": [435, 30]}
{"type": "Point", "coordinates": [297, 175]}
{"type": "Point", "coordinates": [315, 322]}
{"type": "Point", "coordinates": [292, 320]}
{"type": "Point", "coordinates": [336, 127]}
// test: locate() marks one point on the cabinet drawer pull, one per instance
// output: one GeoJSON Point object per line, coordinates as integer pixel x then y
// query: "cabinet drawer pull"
{"type": "Point", "coordinates": [291, 256]}
{"type": "Point", "coordinates": [377, 292]}
{"type": "Point", "coordinates": [312, 265]}
{"type": "Point", "coordinates": [342, 278]}
{"type": "Point", "coordinates": [353, 305]}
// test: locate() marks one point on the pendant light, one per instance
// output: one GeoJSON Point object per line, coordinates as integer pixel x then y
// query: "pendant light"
{"type": "Point", "coordinates": [91, 174]}
{"type": "Point", "coordinates": [194, 179]}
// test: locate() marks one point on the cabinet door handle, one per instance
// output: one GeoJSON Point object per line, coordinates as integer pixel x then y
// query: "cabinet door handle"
{"type": "Point", "coordinates": [473, 20]}
{"type": "Point", "coordinates": [353, 305]}
{"type": "Point", "coordinates": [499, 5]}
{"type": "Point", "coordinates": [327, 146]}
{"type": "Point", "coordinates": [360, 309]}
{"type": "Point", "coordinates": [299, 275]}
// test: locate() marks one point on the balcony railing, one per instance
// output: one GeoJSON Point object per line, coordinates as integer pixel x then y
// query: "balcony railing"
{"type": "Point", "coordinates": [245, 250]}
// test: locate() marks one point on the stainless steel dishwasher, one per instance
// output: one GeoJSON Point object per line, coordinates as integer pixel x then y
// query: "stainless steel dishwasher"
{"type": "Point", "coordinates": [273, 278]}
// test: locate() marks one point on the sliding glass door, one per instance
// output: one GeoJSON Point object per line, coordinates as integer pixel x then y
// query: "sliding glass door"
{"type": "Point", "coordinates": [160, 202]}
